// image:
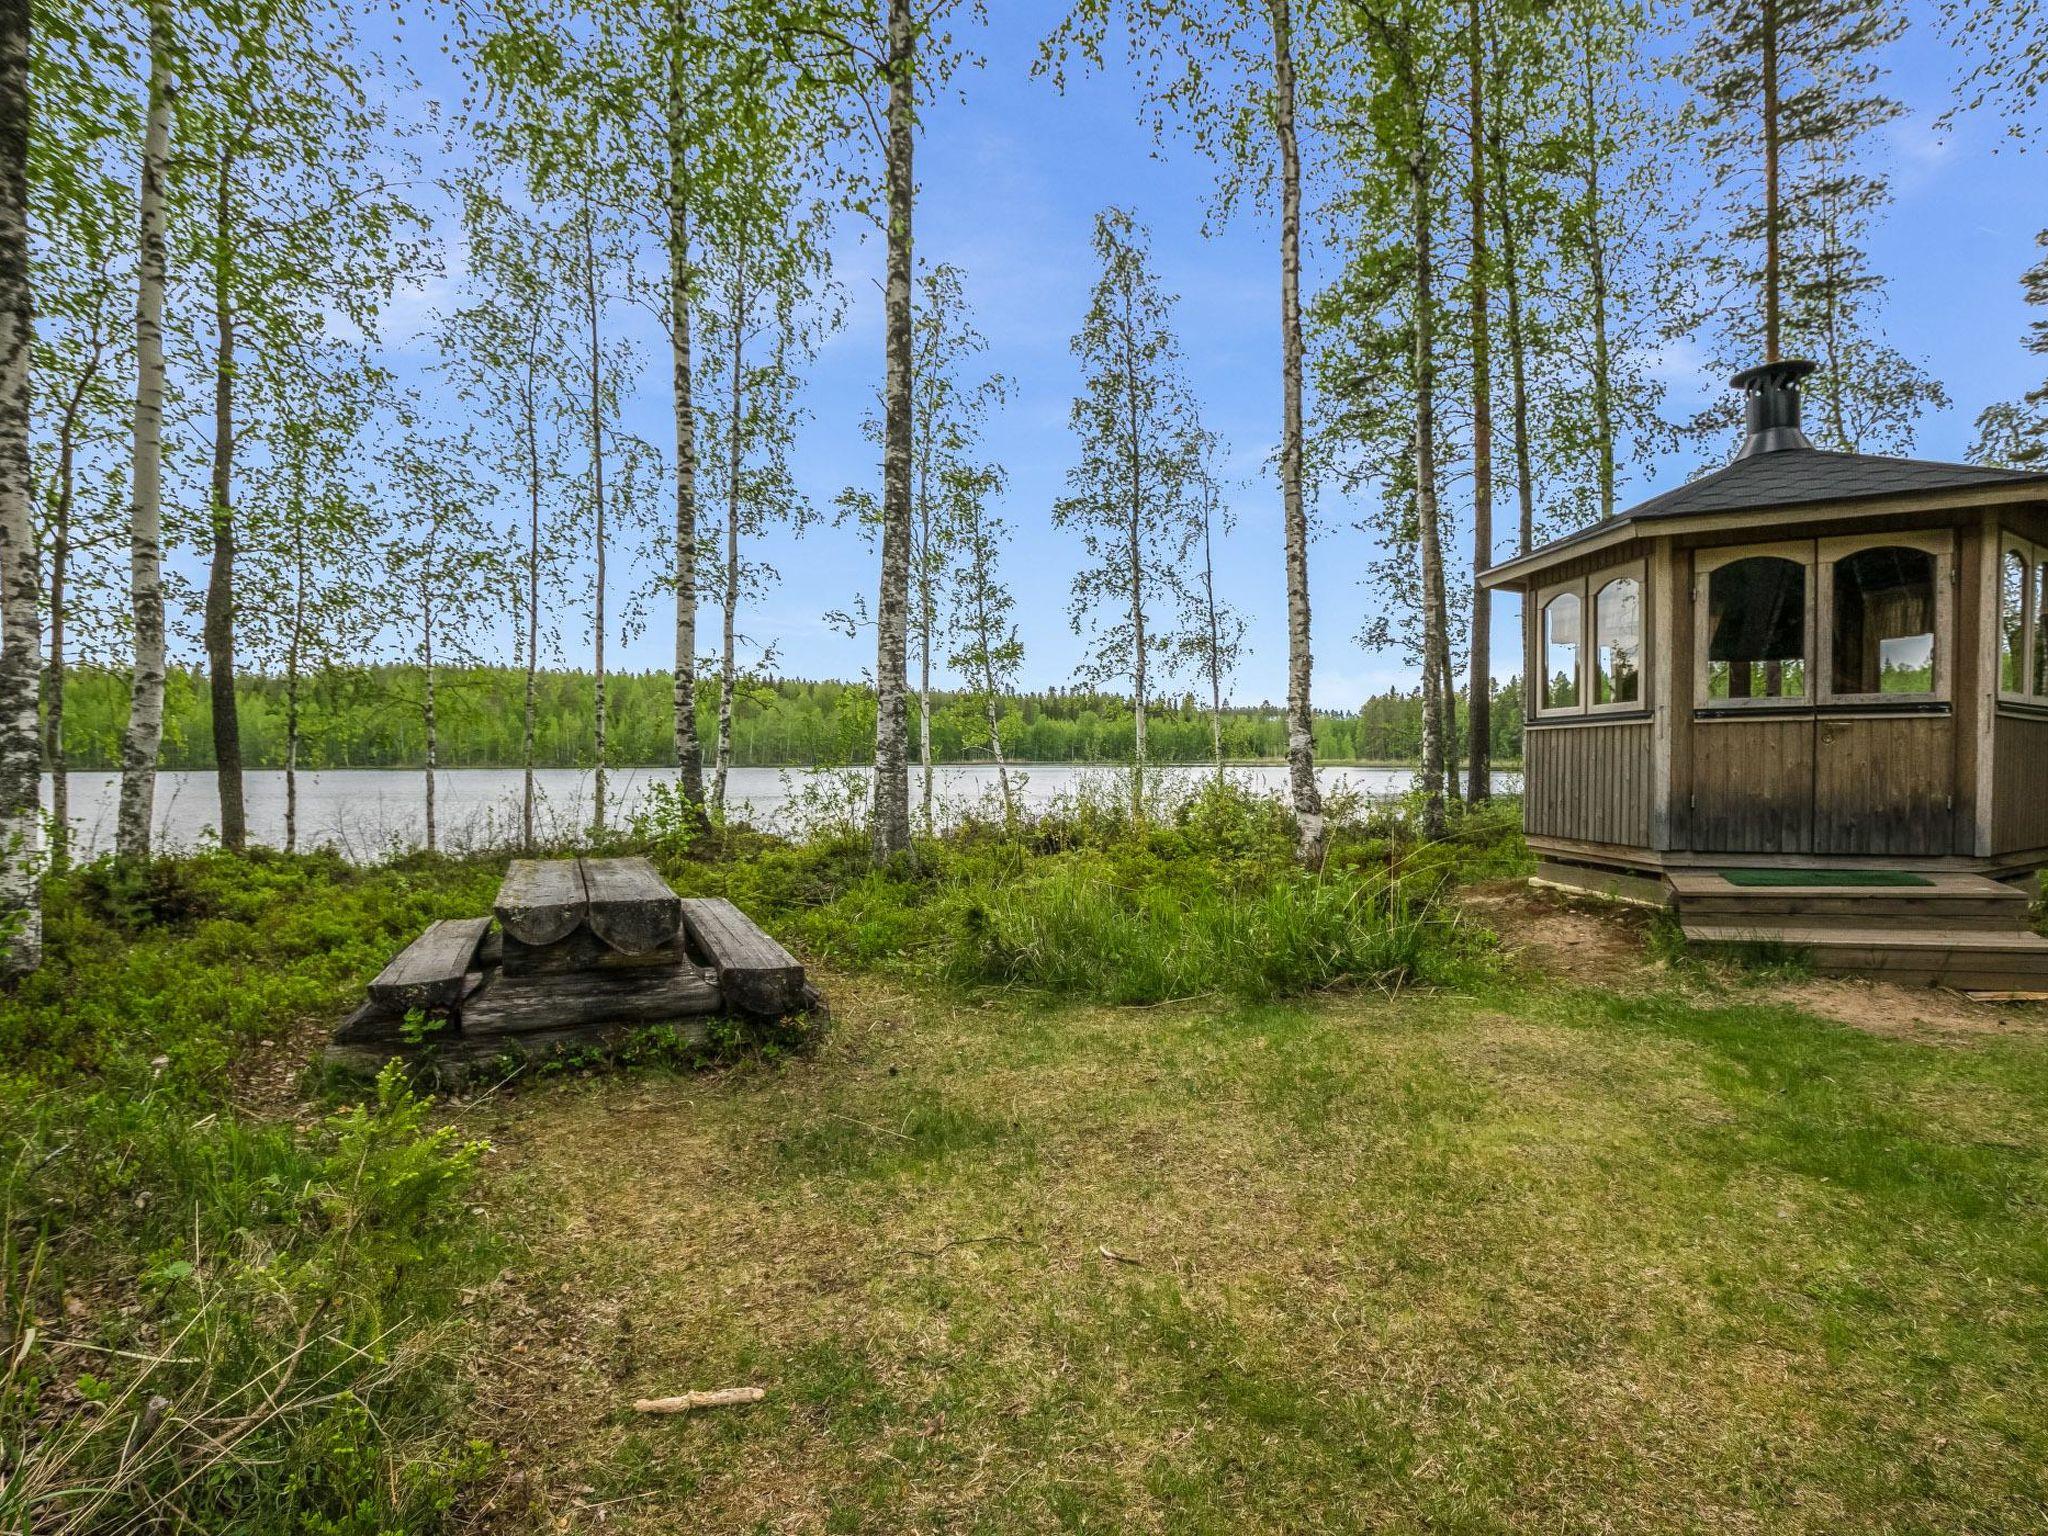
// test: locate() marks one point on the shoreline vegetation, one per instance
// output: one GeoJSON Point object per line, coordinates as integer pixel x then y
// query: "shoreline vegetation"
{"type": "Point", "coordinates": [364, 718]}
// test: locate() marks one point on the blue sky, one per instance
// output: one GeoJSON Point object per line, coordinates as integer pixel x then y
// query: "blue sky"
{"type": "Point", "coordinates": [1011, 174]}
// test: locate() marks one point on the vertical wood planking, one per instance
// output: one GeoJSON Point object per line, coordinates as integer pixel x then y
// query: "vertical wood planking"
{"type": "Point", "coordinates": [1753, 784]}
{"type": "Point", "coordinates": [1589, 782]}
{"type": "Point", "coordinates": [1882, 785]}
{"type": "Point", "coordinates": [2020, 784]}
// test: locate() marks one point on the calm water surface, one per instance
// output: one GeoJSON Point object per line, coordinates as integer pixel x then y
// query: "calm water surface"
{"type": "Point", "coordinates": [370, 813]}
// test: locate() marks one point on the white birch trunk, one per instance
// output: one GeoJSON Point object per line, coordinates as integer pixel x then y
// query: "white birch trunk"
{"type": "Point", "coordinates": [1436, 677]}
{"type": "Point", "coordinates": [21, 641]}
{"type": "Point", "coordinates": [428, 721]}
{"type": "Point", "coordinates": [1479, 682]}
{"type": "Point", "coordinates": [531, 428]}
{"type": "Point", "coordinates": [596, 362]}
{"type": "Point", "coordinates": [689, 750]}
{"type": "Point", "coordinates": [889, 821]}
{"type": "Point", "coordinates": [143, 739]}
{"type": "Point", "coordinates": [1301, 740]}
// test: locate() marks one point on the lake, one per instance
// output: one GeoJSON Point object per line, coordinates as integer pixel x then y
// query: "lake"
{"type": "Point", "coordinates": [373, 813]}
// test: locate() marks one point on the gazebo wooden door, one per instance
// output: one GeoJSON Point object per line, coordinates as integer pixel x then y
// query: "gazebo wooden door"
{"type": "Point", "coordinates": [1882, 785]}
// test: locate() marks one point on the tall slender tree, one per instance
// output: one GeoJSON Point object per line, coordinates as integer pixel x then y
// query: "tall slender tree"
{"type": "Point", "coordinates": [304, 219]}
{"type": "Point", "coordinates": [1478, 284]}
{"type": "Point", "coordinates": [82, 195]}
{"type": "Point", "coordinates": [310, 531]}
{"type": "Point", "coordinates": [880, 54]}
{"type": "Point", "coordinates": [1211, 636]}
{"type": "Point", "coordinates": [508, 353]}
{"type": "Point", "coordinates": [21, 642]}
{"type": "Point", "coordinates": [1130, 494]}
{"type": "Point", "coordinates": [763, 267]}
{"type": "Point", "coordinates": [986, 650]}
{"type": "Point", "coordinates": [1396, 111]}
{"type": "Point", "coordinates": [444, 572]}
{"type": "Point", "coordinates": [143, 739]}
{"type": "Point", "coordinates": [1228, 72]}
{"type": "Point", "coordinates": [949, 411]}
{"type": "Point", "coordinates": [1788, 96]}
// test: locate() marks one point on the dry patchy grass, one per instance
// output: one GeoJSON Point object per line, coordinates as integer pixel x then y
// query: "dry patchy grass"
{"type": "Point", "coordinates": [1551, 1259]}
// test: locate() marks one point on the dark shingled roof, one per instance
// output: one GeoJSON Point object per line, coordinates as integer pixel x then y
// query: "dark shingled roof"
{"type": "Point", "coordinates": [1798, 475]}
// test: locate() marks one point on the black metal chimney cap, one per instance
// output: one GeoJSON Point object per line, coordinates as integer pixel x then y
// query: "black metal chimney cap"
{"type": "Point", "coordinates": [1771, 406]}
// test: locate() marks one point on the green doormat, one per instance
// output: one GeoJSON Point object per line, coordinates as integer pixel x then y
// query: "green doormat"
{"type": "Point", "coordinates": [1821, 877]}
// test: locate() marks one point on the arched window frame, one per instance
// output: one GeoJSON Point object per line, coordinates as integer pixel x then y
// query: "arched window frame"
{"type": "Point", "coordinates": [1540, 666]}
{"type": "Point", "coordinates": [2033, 556]}
{"type": "Point", "coordinates": [1597, 583]}
{"type": "Point", "coordinates": [1820, 647]}
{"type": "Point", "coordinates": [1708, 561]}
{"type": "Point", "coordinates": [1586, 589]}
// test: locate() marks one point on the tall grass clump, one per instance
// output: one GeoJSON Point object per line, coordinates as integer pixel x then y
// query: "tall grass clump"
{"type": "Point", "coordinates": [1077, 933]}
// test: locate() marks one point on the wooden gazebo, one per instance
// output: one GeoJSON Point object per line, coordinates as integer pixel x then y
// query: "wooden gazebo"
{"type": "Point", "coordinates": [1811, 661]}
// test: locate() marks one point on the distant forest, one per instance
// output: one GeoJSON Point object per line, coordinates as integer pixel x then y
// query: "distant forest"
{"type": "Point", "coordinates": [369, 719]}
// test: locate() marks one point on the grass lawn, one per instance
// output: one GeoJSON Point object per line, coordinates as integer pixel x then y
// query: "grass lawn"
{"type": "Point", "coordinates": [1660, 1254]}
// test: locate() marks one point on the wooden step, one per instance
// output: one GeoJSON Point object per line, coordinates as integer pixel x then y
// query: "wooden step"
{"type": "Point", "coordinates": [1915, 955]}
{"type": "Point", "coordinates": [631, 907]}
{"type": "Point", "coordinates": [428, 973]}
{"type": "Point", "coordinates": [1954, 915]}
{"type": "Point", "coordinates": [542, 901]}
{"type": "Point", "coordinates": [755, 974]}
{"type": "Point", "coordinates": [1948, 901]}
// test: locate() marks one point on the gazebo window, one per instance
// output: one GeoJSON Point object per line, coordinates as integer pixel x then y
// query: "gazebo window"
{"type": "Point", "coordinates": [1756, 630]}
{"type": "Point", "coordinates": [1563, 632]}
{"type": "Point", "coordinates": [1884, 622]}
{"type": "Point", "coordinates": [2040, 629]}
{"type": "Point", "coordinates": [1618, 642]}
{"type": "Point", "coordinates": [2022, 620]}
{"type": "Point", "coordinates": [2012, 623]}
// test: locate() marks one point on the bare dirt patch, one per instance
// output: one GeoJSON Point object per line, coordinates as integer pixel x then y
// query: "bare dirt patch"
{"type": "Point", "coordinates": [1912, 1013]}
{"type": "Point", "coordinates": [1562, 938]}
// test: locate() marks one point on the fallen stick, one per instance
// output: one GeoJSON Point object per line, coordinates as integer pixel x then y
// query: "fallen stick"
{"type": "Point", "coordinates": [724, 1397]}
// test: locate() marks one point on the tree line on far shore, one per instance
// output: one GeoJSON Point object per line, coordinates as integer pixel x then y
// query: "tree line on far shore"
{"type": "Point", "coordinates": [350, 722]}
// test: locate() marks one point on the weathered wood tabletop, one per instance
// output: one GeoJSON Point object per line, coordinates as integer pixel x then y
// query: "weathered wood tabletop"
{"type": "Point", "coordinates": [631, 907]}
{"type": "Point", "coordinates": [542, 901]}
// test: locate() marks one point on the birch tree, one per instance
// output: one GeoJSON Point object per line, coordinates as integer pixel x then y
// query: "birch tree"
{"type": "Point", "coordinates": [949, 412]}
{"type": "Point", "coordinates": [142, 741]}
{"type": "Point", "coordinates": [1211, 637]}
{"type": "Point", "coordinates": [1129, 494]}
{"type": "Point", "coordinates": [1227, 71]}
{"type": "Point", "coordinates": [21, 643]}
{"type": "Point", "coordinates": [762, 268]}
{"type": "Point", "coordinates": [310, 537]}
{"type": "Point", "coordinates": [1396, 136]}
{"type": "Point", "coordinates": [880, 54]}
{"type": "Point", "coordinates": [302, 221]}
{"type": "Point", "coordinates": [82, 194]}
{"type": "Point", "coordinates": [986, 650]}
{"type": "Point", "coordinates": [443, 571]}
{"type": "Point", "coordinates": [508, 354]}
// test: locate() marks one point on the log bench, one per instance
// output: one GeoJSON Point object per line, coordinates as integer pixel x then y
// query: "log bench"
{"type": "Point", "coordinates": [755, 974]}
